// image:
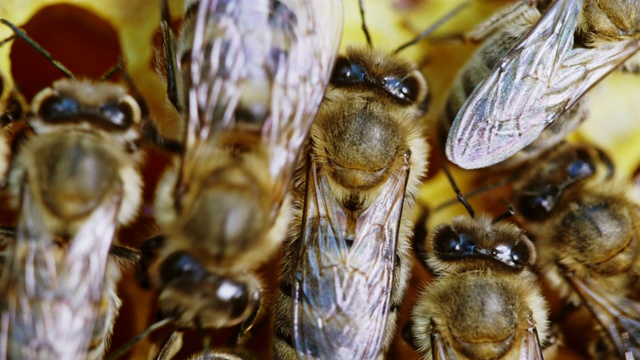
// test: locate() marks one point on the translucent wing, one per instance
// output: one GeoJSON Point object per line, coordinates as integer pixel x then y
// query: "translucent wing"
{"type": "Point", "coordinates": [539, 79]}
{"type": "Point", "coordinates": [530, 348]}
{"type": "Point", "coordinates": [259, 67]}
{"type": "Point", "coordinates": [344, 281]}
{"type": "Point", "coordinates": [618, 316]}
{"type": "Point", "coordinates": [440, 349]}
{"type": "Point", "coordinates": [53, 293]}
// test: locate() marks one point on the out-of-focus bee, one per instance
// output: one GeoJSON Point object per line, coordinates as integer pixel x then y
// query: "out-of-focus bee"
{"type": "Point", "coordinates": [485, 302]}
{"type": "Point", "coordinates": [12, 105]}
{"type": "Point", "coordinates": [12, 109]}
{"type": "Point", "coordinates": [346, 264]}
{"type": "Point", "coordinates": [541, 76]}
{"type": "Point", "coordinates": [251, 78]}
{"type": "Point", "coordinates": [74, 179]}
{"type": "Point", "coordinates": [585, 225]}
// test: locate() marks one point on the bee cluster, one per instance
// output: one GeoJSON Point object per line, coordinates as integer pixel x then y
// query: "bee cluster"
{"type": "Point", "coordinates": [256, 189]}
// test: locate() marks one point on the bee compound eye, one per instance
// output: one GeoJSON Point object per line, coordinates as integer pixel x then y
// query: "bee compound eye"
{"type": "Point", "coordinates": [538, 205]}
{"type": "Point", "coordinates": [341, 69]}
{"type": "Point", "coordinates": [237, 297]}
{"type": "Point", "coordinates": [520, 254]}
{"type": "Point", "coordinates": [345, 72]}
{"type": "Point", "coordinates": [580, 169]}
{"type": "Point", "coordinates": [122, 114]}
{"type": "Point", "coordinates": [450, 243]}
{"type": "Point", "coordinates": [410, 89]}
{"type": "Point", "coordinates": [54, 107]}
{"type": "Point", "coordinates": [180, 264]}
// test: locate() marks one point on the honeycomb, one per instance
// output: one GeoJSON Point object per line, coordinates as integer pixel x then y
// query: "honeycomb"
{"type": "Point", "coordinates": [89, 37]}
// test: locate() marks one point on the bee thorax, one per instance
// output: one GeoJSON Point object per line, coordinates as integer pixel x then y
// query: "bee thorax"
{"type": "Point", "coordinates": [363, 148]}
{"type": "Point", "coordinates": [75, 178]}
{"type": "Point", "coordinates": [486, 325]}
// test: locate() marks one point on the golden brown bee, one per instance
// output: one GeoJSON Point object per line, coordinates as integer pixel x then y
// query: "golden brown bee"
{"type": "Point", "coordinates": [251, 75]}
{"type": "Point", "coordinates": [345, 265]}
{"type": "Point", "coordinates": [346, 262]}
{"type": "Point", "coordinates": [485, 302]}
{"type": "Point", "coordinates": [585, 227]}
{"type": "Point", "coordinates": [532, 71]}
{"type": "Point", "coordinates": [73, 178]}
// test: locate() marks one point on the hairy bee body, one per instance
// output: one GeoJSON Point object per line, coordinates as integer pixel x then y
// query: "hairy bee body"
{"type": "Point", "coordinates": [485, 302]}
{"type": "Point", "coordinates": [541, 67]}
{"type": "Point", "coordinates": [250, 77]}
{"type": "Point", "coordinates": [74, 180]}
{"type": "Point", "coordinates": [585, 224]}
{"type": "Point", "coordinates": [346, 261]}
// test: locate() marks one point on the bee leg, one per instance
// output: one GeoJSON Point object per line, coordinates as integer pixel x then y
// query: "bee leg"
{"type": "Point", "coordinates": [420, 233]}
{"type": "Point", "coordinates": [148, 250]}
{"type": "Point", "coordinates": [171, 346]}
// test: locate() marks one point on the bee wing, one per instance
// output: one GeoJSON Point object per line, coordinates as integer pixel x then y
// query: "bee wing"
{"type": "Point", "coordinates": [261, 66]}
{"type": "Point", "coordinates": [342, 293]}
{"type": "Point", "coordinates": [540, 78]}
{"type": "Point", "coordinates": [619, 316]}
{"type": "Point", "coordinates": [440, 350]}
{"type": "Point", "coordinates": [53, 293]}
{"type": "Point", "coordinates": [530, 348]}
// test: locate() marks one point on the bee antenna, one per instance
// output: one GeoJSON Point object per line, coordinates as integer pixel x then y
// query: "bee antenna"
{"type": "Point", "coordinates": [505, 181]}
{"type": "Point", "coordinates": [112, 70]}
{"type": "Point", "coordinates": [129, 344]}
{"type": "Point", "coordinates": [38, 48]}
{"type": "Point", "coordinates": [2, 42]}
{"type": "Point", "coordinates": [206, 340]}
{"type": "Point", "coordinates": [433, 27]}
{"type": "Point", "coordinates": [461, 198]}
{"type": "Point", "coordinates": [507, 214]}
{"type": "Point", "coordinates": [364, 24]}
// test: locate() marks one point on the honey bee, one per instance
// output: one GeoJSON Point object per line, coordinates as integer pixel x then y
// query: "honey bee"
{"type": "Point", "coordinates": [12, 104]}
{"type": "Point", "coordinates": [585, 225]}
{"type": "Point", "coordinates": [536, 77]}
{"type": "Point", "coordinates": [346, 265]}
{"type": "Point", "coordinates": [12, 109]}
{"type": "Point", "coordinates": [485, 302]}
{"type": "Point", "coordinates": [251, 75]}
{"type": "Point", "coordinates": [73, 179]}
